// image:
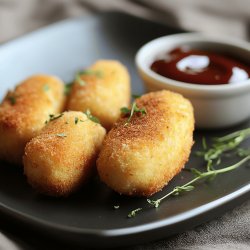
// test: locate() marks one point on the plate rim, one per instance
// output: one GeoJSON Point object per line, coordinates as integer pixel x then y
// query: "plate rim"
{"type": "Point", "coordinates": [132, 229]}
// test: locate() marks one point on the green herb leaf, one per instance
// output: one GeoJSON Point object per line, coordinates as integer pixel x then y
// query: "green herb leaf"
{"type": "Point", "coordinates": [91, 117]}
{"type": "Point", "coordinates": [67, 88]}
{"type": "Point", "coordinates": [79, 80]}
{"type": "Point", "coordinates": [53, 117]}
{"type": "Point", "coordinates": [125, 110]}
{"type": "Point", "coordinates": [242, 152]}
{"type": "Point", "coordinates": [76, 120]}
{"type": "Point", "coordinates": [134, 109]}
{"type": "Point", "coordinates": [134, 212]}
{"type": "Point", "coordinates": [196, 171]}
{"type": "Point", "coordinates": [96, 73]}
{"type": "Point", "coordinates": [221, 145]}
{"type": "Point", "coordinates": [12, 99]}
{"type": "Point", "coordinates": [46, 87]}
{"type": "Point", "coordinates": [61, 135]}
{"type": "Point", "coordinates": [204, 143]}
{"type": "Point", "coordinates": [184, 188]}
{"type": "Point", "coordinates": [155, 203]}
{"type": "Point", "coordinates": [78, 75]}
{"type": "Point", "coordinates": [136, 96]}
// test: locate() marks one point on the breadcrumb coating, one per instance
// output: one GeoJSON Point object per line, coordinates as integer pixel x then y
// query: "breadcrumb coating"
{"type": "Point", "coordinates": [24, 111]}
{"type": "Point", "coordinates": [104, 90]}
{"type": "Point", "coordinates": [140, 158]}
{"type": "Point", "coordinates": [62, 157]}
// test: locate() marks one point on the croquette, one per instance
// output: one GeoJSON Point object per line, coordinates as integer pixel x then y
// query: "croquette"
{"type": "Point", "coordinates": [62, 157]}
{"type": "Point", "coordinates": [23, 113]}
{"type": "Point", "coordinates": [103, 89]}
{"type": "Point", "coordinates": [141, 155]}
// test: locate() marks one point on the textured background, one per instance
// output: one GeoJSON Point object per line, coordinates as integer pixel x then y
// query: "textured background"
{"type": "Point", "coordinates": [214, 16]}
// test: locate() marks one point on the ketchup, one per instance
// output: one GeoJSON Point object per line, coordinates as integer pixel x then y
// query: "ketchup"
{"type": "Point", "coordinates": [201, 67]}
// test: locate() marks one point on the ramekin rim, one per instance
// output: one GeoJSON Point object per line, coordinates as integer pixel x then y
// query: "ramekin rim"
{"type": "Point", "coordinates": [190, 86]}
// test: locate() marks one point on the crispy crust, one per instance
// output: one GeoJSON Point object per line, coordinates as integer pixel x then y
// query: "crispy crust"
{"type": "Point", "coordinates": [59, 165]}
{"type": "Point", "coordinates": [103, 94]}
{"type": "Point", "coordinates": [24, 111]}
{"type": "Point", "coordinates": [142, 157]}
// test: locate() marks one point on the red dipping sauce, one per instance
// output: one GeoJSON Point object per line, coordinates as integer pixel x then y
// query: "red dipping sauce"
{"type": "Point", "coordinates": [201, 67]}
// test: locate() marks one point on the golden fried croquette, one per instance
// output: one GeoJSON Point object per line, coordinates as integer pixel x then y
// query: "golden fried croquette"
{"type": "Point", "coordinates": [140, 157]}
{"type": "Point", "coordinates": [24, 111]}
{"type": "Point", "coordinates": [104, 88]}
{"type": "Point", "coordinates": [61, 158]}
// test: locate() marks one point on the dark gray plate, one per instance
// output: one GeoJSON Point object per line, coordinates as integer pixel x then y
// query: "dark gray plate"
{"type": "Point", "coordinates": [88, 217]}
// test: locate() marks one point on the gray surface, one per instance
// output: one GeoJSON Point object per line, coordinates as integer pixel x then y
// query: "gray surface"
{"type": "Point", "coordinates": [55, 51]}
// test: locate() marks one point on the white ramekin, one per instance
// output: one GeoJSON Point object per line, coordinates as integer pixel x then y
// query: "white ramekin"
{"type": "Point", "coordinates": [215, 106]}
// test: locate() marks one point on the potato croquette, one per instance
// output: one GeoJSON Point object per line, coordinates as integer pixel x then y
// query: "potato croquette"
{"type": "Point", "coordinates": [24, 111]}
{"type": "Point", "coordinates": [140, 157]}
{"type": "Point", "coordinates": [62, 157]}
{"type": "Point", "coordinates": [103, 89]}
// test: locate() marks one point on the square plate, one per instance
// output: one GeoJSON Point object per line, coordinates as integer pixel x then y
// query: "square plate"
{"type": "Point", "coordinates": [88, 217]}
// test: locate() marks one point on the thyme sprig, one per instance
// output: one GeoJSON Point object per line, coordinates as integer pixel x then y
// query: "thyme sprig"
{"type": "Point", "coordinates": [221, 145]}
{"type": "Point", "coordinates": [199, 176]}
{"type": "Point", "coordinates": [134, 109]}
{"type": "Point", "coordinates": [212, 157]}
{"type": "Point", "coordinates": [134, 212]}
